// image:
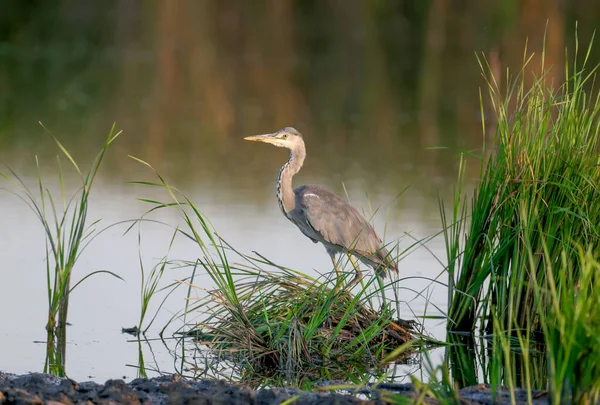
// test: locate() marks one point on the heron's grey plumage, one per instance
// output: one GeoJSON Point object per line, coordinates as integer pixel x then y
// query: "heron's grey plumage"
{"type": "Point", "coordinates": [341, 227]}
{"type": "Point", "coordinates": [322, 215]}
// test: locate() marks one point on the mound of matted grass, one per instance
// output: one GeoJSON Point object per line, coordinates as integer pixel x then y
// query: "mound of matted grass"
{"type": "Point", "coordinates": [283, 321]}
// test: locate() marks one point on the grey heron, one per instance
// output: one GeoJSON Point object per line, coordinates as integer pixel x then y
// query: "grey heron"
{"type": "Point", "coordinates": [323, 216]}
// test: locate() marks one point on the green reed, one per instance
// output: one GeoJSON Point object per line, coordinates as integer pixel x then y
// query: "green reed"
{"type": "Point", "coordinates": [538, 192]}
{"type": "Point", "coordinates": [572, 326]}
{"type": "Point", "coordinates": [64, 220]}
{"type": "Point", "coordinates": [523, 252]}
{"type": "Point", "coordinates": [150, 282]}
{"type": "Point", "coordinates": [563, 358]}
{"type": "Point", "coordinates": [561, 362]}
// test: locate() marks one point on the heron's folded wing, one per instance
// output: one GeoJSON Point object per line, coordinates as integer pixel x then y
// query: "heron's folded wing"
{"type": "Point", "coordinates": [336, 221]}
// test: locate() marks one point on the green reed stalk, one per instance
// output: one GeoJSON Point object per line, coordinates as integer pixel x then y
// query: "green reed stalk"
{"type": "Point", "coordinates": [571, 326]}
{"type": "Point", "coordinates": [565, 362]}
{"type": "Point", "coordinates": [538, 191]}
{"type": "Point", "coordinates": [149, 285]}
{"type": "Point", "coordinates": [66, 233]}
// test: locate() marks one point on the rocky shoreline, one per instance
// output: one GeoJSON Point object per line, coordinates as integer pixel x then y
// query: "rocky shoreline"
{"type": "Point", "coordinates": [38, 388]}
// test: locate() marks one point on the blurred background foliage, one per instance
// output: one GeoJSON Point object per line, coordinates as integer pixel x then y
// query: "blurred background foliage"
{"type": "Point", "coordinates": [186, 79]}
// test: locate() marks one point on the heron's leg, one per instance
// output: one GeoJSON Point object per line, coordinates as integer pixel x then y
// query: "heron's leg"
{"type": "Point", "coordinates": [337, 271]}
{"type": "Point", "coordinates": [358, 276]}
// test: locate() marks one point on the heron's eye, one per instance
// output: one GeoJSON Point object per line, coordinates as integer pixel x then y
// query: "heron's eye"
{"type": "Point", "coordinates": [284, 136]}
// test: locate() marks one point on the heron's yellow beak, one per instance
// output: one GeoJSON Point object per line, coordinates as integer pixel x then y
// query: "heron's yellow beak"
{"type": "Point", "coordinates": [268, 138]}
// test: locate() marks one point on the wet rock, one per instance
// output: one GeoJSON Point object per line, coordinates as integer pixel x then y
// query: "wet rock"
{"type": "Point", "coordinates": [68, 387]}
{"type": "Point", "coordinates": [41, 388]}
{"type": "Point", "coordinates": [18, 396]}
{"type": "Point", "coordinates": [483, 394]}
{"type": "Point", "coordinates": [119, 391]}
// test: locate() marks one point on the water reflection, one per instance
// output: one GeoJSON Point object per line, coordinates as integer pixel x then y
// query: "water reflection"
{"type": "Point", "coordinates": [482, 360]}
{"type": "Point", "coordinates": [196, 361]}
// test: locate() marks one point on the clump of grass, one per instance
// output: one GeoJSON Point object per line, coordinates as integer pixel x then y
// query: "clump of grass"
{"type": "Point", "coordinates": [538, 192]}
{"type": "Point", "coordinates": [67, 233]}
{"type": "Point", "coordinates": [270, 319]}
{"type": "Point", "coordinates": [285, 321]}
{"type": "Point", "coordinates": [523, 257]}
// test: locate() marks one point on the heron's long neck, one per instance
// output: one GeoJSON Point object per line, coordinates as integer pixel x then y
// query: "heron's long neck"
{"type": "Point", "coordinates": [285, 191]}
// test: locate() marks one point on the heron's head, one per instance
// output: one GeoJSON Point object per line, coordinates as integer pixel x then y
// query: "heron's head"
{"type": "Point", "coordinates": [287, 137]}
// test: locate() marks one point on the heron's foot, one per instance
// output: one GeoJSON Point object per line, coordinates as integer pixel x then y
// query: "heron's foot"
{"type": "Point", "coordinates": [358, 275]}
{"type": "Point", "coordinates": [354, 281]}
